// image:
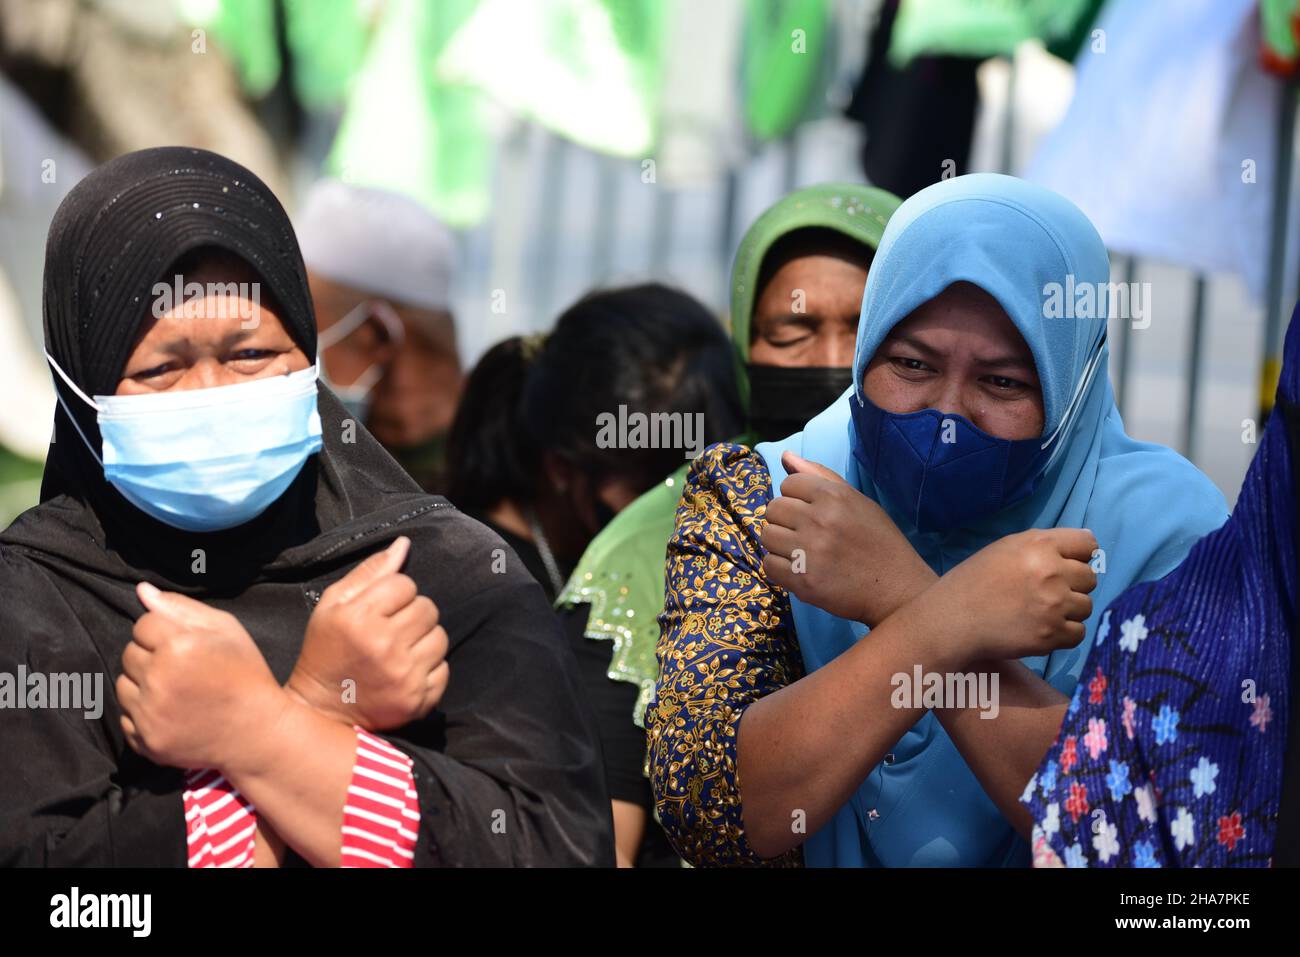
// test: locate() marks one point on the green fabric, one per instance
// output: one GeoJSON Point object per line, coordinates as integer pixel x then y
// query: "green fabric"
{"type": "Point", "coordinates": [588, 70]}
{"type": "Point", "coordinates": [20, 485]}
{"type": "Point", "coordinates": [407, 130]}
{"type": "Point", "coordinates": [403, 128]}
{"type": "Point", "coordinates": [245, 29]}
{"type": "Point", "coordinates": [981, 28]}
{"type": "Point", "coordinates": [782, 68]}
{"type": "Point", "coordinates": [327, 38]}
{"type": "Point", "coordinates": [1067, 45]}
{"type": "Point", "coordinates": [621, 574]}
{"type": "Point", "coordinates": [1275, 19]}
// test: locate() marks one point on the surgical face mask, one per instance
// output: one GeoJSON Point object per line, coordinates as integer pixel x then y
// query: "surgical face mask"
{"type": "Point", "coordinates": [203, 460]}
{"type": "Point", "coordinates": [783, 398]}
{"type": "Point", "coordinates": [356, 397]}
{"type": "Point", "coordinates": [943, 472]}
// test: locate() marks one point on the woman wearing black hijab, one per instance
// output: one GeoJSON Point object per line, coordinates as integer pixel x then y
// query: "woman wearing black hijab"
{"type": "Point", "coordinates": [201, 509]}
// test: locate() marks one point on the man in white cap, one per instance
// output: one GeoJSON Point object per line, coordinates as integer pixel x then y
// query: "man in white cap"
{"type": "Point", "coordinates": [379, 265]}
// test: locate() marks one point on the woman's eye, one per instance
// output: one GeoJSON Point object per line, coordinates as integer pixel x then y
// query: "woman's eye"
{"type": "Point", "coordinates": [246, 354]}
{"type": "Point", "coordinates": [154, 372]}
{"type": "Point", "coordinates": [911, 365]}
{"type": "Point", "coordinates": [1002, 382]}
{"type": "Point", "coordinates": [785, 343]}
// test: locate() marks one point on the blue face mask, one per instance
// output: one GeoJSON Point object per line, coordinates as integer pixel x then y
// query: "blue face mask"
{"type": "Point", "coordinates": [202, 460]}
{"type": "Point", "coordinates": [943, 472]}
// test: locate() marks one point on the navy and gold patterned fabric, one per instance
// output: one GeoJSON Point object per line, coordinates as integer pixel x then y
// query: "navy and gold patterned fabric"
{"type": "Point", "coordinates": [726, 640]}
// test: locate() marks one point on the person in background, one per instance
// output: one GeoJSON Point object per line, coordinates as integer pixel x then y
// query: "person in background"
{"type": "Point", "coordinates": [287, 652]}
{"type": "Point", "coordinates": [530, 455]}
{"type": "Point", "coordinates": [952, 505]}
{"type": "Point", "coordinates": [380, 267]}
{"type": "Point", "coordinates": [1181, 739]}
{"type": "Point", "coordinates": [796, 292]}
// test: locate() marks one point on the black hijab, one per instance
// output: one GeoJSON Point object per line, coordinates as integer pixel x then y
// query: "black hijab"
{"type": "Point", "coordinates": [511, 732]}
{"type": "Point", "coordinates": [116, 234]}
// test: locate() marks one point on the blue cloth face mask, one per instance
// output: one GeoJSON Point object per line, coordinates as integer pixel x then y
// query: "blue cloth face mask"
{"type": "Point", "coordinates": [203, 460]}
{"type": "Point", "coordinates": [943, 472]}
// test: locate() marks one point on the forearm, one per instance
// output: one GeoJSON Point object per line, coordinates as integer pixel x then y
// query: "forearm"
{"type": "Point", "coordinates": [804, 749]}
{"type": "Point", "coordinates": [894, 587]}
{"type": "Point", "coordinates": [297, 776]}
{"type": "Point", "coordinates": [1004, 751]}
{"type": "Point", "coordinates": [268, 846]}
{"type": "Point", "coordinates": [629, 830]}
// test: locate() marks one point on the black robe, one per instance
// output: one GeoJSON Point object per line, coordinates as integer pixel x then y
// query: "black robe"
{"type": "Point", "coordinates": [507, 767]}
{"type": "Point", "coordinates": [512, 733]}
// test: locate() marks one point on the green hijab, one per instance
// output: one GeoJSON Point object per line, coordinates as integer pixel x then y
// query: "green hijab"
{"type": "Point", "coordinates": [621, 574]}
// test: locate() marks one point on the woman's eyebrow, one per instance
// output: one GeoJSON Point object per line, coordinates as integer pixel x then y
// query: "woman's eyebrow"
{"type": "Point", "coordinates": [769, 320]}
{"type": "Point", "coordinates": [172, 345]}
{"type": "Point", "coordinates": [236, 336]}
{"type": "Point", "coordinates": [1012, 361]}
{"type": "Point", "coordinates": [1007, 361]}
{"type": "Point", "coordinates": [914, 343]}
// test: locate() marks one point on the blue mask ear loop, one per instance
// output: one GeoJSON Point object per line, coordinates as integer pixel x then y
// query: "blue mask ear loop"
{"type": "Point", "coordinates": [68, 412]}
{"type": "Point", "coordinates": [1076, 401]}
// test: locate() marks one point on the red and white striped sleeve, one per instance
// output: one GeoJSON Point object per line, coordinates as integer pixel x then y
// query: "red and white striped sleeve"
{"type": "Point", "coordinates": [381, 816]}
{"type": "Point", "coordinates": [220, 823]}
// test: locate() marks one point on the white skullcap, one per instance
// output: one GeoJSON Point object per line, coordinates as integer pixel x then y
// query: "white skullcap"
{"type": "Point", "coordinates": [379, 241]}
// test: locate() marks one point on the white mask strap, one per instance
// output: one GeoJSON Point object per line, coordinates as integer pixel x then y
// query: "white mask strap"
{"type": "Point", "coordinates": [68, 412]}
{"type": "Point", "coordinates": [70, 384]}
{"type": "Point", "coordinates": [365, 382]}
{"type": "Point", "coordinates": [1076, 402]}
{"type": "Point", "coordinates": [355, 318]}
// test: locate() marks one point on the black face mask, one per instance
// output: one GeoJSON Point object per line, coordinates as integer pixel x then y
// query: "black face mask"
{"type": "Point", "coordinates": [604, 514]}
{"type": "Point", "coordinates": [782, 399]}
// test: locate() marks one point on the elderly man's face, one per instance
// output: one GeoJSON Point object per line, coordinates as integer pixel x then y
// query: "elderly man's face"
{"type": "Point", "coordinates": [415, 397]}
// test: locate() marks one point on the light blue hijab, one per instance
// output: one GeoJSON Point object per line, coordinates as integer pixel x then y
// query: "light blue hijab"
{"type": "Point", "coordinates": [1145, 503]}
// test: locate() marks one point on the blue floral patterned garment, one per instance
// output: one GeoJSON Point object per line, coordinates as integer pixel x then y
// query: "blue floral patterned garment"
{"type": "Point", "coordinates": [1171, 753]}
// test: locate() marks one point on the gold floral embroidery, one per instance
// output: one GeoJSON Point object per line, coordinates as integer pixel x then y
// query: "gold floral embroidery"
{"type": "Point", "coordinates": [725, 641]}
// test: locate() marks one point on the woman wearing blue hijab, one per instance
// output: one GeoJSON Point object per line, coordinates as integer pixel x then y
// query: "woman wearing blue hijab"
{"type": "Point", "coordinates": [1173, 751]}
{"type": "Point", "coordinates": [959, 502]}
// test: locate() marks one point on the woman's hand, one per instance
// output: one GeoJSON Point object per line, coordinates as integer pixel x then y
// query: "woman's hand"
{"type": "Point", "coordinates": [374, 654]}
{"type": "Point", "coordinates": [194, 689]}
{"type": "Point", "coordinates": [831, 546]}
{"type": "Point", "coordinates": [1021, 596]}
